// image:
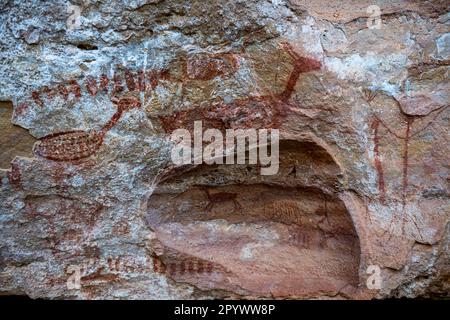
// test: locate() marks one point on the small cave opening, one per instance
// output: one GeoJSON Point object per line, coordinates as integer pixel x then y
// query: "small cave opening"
{"type": "Point", "coordinates": [226, 227]}
{"type": "Point", "coordinates": [87, 46]}
{"type": "Point", "coordinates": [14, 140]}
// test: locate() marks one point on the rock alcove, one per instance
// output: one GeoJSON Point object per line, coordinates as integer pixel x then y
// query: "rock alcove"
{"type": "Point", "coordinates": [225, 227]}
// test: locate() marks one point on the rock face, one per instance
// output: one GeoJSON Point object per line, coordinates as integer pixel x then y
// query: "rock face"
{"type": "Point", "coordinates": [92, 206]}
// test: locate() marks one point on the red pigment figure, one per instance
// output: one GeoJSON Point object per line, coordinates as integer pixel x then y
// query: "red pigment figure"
{"type": "Point", "coordinates": [221, 197]}
{"type": "Point", "coordinates": [20, 109]}
{"type": "Point", "coordinates": [301, 239]}
{"type": "Point", "coordinates": [154, 77]}
{"type": "Point", "coordinates": [190, 267]}
{"type": "Point", "coordinates": [253, 112]}
{"type": "Point", "coordinates": [409, 120]}
{"type": "Point", "coordinates": [183, 267]}
{"type": "Point", "coordinates": [37, 99]}
{"type": "Point", "coordinates": [209, 267]}
{"type": "Point", "coordinates": [72, 87]}
{"type": "Point", "coordinates": [172, 268]}
{"type": "Point", "coordinates": [14, 176]}
{"type": "Point", "coordinates": [133, 81]}
{"type": "Point", "coordinates": [104, 83]}
{"type": "Point", "coordinates": [129, 80]}
{"type": "Point", "coordinates": [118, 87]}
{"type": "Point", "coordinates": [208, 66]}
{"type": "Point", "coordinates": [91, 85]}
{"type": "Point", "coordinates": [158, 265]}
{"type": "Point", "coordinates": [378, 165]}
{"type": "Point", "coordinates": [200, 268]}
{"type": "Point", "coordinates": [75, 89]}
{"type": "Point", "coordinates": [62, 90]}
{"type": "Point", "coordinates": [78, 144]}
{"type": "Point", "coordinates": [48, 92]}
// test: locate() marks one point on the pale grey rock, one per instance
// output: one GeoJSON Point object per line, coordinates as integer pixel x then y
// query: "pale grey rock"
{"type": "Point", "coordinates": [443, 46]}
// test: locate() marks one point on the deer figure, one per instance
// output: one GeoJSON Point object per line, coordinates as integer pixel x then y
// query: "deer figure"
{"type": "Point", "coordinates": [220, 197]}
{"type": "Point", "coordinates": [259, 111]}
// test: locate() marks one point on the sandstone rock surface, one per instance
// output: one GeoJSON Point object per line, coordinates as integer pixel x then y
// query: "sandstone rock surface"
{"type": "Point", "coordinates": [92, 207]}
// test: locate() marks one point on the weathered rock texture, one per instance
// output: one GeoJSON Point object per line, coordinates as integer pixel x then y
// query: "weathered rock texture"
{"type": "Point", "coordinates": [364, 172]}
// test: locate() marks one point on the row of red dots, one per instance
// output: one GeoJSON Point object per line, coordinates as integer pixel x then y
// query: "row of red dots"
{"type": "Point", "coordinates": [134, 81]}
{"type": "Point", "coordinates": [182, 267]}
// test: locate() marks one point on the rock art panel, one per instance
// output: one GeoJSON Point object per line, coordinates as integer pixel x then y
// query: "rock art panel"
{"type": "Point", "coordinates": [358, 92]}
{"type": "Point", "coordinates": [77, 145]}
{"type": "Point", "coordinates": [409, 129]}
{"type": "Point", "coordinates": [297, 239]}
{"type": "Point", "coordinates": [263, 111]}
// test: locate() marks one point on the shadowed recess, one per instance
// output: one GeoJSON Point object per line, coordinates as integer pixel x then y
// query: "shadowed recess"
{"type": "Point", "coordinates": [14, 140]}
{"type": "Point", "coordinates": [226, 227]}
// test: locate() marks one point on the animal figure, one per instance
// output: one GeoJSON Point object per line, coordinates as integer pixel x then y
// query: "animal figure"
{"type": "Point", "coordinates": [260, 111]}
{"type": "Point", "coordinates": [189, 265]}
{"type": "Point", "coordinates": [79, 144]}
{"type": "Point", "coordinates": [221, 197]}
